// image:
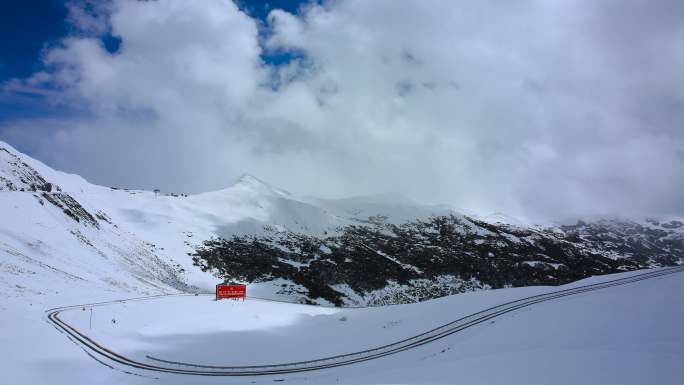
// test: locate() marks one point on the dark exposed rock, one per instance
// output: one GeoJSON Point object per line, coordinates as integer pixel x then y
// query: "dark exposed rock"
{"type": "Point", "coordinates": [370, 257]}
{"type": "Point", "coordinates": [22, 177]}
{"type": "Point", "coordinates": [71, 208]}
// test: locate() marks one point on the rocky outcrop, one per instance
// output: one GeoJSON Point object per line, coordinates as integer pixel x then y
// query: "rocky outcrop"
{"type": "Point", "coordinates": [16, 175]}
{"type": "Point", "coordinates": [379, 263]}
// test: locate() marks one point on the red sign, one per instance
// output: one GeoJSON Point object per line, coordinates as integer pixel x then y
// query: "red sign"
{"type": "Point", "coordinates": [231, 291]}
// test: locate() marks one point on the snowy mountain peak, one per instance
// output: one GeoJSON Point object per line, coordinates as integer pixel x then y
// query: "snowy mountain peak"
{"type": "Point", "coordinates": [251, 179]}
{"type": "Point", "coordinates": [499, 217]}
{"type": "Point", "coordinates": [256, 185]}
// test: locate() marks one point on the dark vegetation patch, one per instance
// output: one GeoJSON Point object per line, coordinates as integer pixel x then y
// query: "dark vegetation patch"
{"type": "Point", "coordinates": [369, 256]}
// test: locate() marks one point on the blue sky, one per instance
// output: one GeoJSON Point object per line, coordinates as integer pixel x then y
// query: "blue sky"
{"type": "Point", "coordinates": [26, 27]}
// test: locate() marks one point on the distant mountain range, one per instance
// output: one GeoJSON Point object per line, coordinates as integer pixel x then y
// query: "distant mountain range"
{"type": "Point", "coordinates": [357, 251]}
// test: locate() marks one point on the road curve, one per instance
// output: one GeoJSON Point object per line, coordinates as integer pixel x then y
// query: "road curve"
{"type": "Point", "coordinates": [112, 359]}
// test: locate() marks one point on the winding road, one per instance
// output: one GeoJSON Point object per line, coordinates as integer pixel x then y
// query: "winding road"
{"type": "Point", "coordinates": [112, 359]}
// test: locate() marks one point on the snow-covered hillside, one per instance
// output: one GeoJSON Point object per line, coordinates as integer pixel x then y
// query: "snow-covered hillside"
{"type": "Point", "coordinates": [58, 227]}
{"type": "Point", "coordinates": [380, 249]}
{"type": "Point", "coordinates": [628, 334]}
{"type": "Point", "coordinates": [64, 241]}
{"type": "Point", "coordinates": [53, 238]}
{"type": "Point", "coordinates": [381, 263]}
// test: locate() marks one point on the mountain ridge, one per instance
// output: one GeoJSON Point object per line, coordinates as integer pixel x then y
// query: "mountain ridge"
{"type": "Point", "coordinates": [353, 251]}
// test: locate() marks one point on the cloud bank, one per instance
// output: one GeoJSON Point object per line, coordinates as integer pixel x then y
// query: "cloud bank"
{"type": "Point", "coordinates": [543, 109]}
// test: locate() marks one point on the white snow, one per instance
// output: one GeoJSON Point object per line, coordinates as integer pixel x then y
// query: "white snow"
{"type": "Point", "coordinates": [623, 335]}
{"type": "Point", "coordinates": [542, 263]}
{"type": "Point", "coordinates": [405, 266]}
{"type": "Point", "coordinates": [160, 225]}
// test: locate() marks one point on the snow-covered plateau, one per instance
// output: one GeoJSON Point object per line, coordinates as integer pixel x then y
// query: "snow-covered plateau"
{"type": "Point", "coordinates": [64, 241]}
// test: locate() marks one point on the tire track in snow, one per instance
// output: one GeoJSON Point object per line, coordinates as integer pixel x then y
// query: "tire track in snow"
{"type": "Point", "coordinates": [113, 359]}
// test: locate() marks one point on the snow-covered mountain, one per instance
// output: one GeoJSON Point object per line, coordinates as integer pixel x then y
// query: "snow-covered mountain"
{"type": "Point", "coordinates": [380, 263]}
{"type": "Point", "coordinates": [57, 227]}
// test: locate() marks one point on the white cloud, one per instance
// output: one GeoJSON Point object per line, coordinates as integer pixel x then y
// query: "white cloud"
{"type": "Point", "coordinates": [543, 108]}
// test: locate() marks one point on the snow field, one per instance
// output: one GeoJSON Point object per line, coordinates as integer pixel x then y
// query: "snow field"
{"type": "Point", "coordinates": [258, 332]}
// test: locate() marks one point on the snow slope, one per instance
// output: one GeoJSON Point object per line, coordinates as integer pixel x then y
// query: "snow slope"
{"type": "Point", "coordinates": [58, 227]}
{"type": "Point", "coordinates": [139, 241]}
{"type": "Point", "coordinates": [52, 240]}
{"type": "Point", "coordinates": [65, 241]}
{"type": "Point", "coordinates": [627, 334]}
